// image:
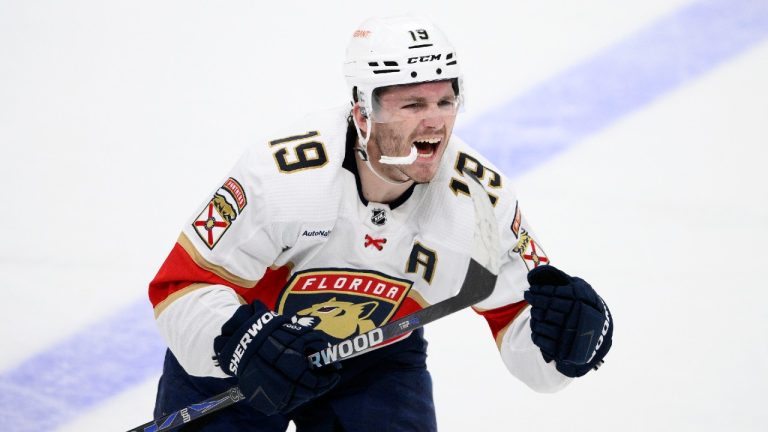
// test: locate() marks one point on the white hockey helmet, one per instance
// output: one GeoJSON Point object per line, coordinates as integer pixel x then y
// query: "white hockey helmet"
{"type": "Point", "coordinates": [396, 51]}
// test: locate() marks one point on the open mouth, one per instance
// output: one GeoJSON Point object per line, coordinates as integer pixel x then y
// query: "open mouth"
{"type": "Point", "coordinates": [426, 147]}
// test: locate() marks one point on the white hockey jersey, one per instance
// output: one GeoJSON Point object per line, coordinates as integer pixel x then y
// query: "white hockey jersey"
{"type": "Point", "coordinates": [290, 227]}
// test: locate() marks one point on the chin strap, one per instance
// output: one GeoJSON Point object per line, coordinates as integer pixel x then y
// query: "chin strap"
{"type": "Point", "coordinates": [362, 152]}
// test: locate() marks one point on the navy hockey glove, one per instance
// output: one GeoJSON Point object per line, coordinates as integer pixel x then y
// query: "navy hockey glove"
{"type": "Point", "coordinates": [267, 353]}
{"type": "Point", "coordinates": [570, 323]}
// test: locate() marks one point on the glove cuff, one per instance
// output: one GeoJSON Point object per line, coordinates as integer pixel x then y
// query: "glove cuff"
{"type": "Point", "coordinates": [548, 275]}
{"type": "Point", "coordinates": [239, 336]}
{"type": "Point", "coordinates": [603, 345]}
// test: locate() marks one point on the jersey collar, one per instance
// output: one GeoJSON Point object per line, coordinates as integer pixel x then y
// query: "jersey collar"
{"type": "Point", "coordinates": [350, 165]}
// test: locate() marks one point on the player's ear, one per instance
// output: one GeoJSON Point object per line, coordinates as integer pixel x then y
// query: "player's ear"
{"type": "Point", "coordinates": [359, 118]}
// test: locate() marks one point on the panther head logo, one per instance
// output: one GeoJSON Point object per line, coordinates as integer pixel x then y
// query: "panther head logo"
{"type": "Point", "coordinates": [522, 243]}
{"type": "Point", "coordinates": [342, 319]}
{"type": "Point", "coordinates": [224, 208]}
{"type": "Point", "coordinates": [535, 255]}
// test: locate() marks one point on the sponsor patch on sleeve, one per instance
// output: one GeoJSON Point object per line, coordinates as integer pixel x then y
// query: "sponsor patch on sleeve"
{"type": "Point", "coordinates": [220, 212]}
{"type": "Point", "coordinates": [529, 250]}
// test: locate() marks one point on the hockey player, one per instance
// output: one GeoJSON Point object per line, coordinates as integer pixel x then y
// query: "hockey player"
{"type": "Point", "coordinates": [344, 221]}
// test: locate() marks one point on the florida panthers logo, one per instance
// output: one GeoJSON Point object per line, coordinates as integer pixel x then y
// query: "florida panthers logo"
{"type": "Point", "coordinates": [346, 302]}
{"type": "Point", "coordinates": [342, 319]}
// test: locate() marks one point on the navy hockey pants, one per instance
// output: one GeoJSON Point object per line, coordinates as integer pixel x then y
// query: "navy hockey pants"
{"type": "Point", "coordinates": [388, 389]}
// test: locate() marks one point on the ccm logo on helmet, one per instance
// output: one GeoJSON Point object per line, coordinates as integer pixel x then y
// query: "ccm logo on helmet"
{"type": "Point", "coordinates": [424, 58]}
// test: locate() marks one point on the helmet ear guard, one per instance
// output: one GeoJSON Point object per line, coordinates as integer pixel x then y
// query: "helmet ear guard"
{"type": "Point", "coordinates": [355, 99]}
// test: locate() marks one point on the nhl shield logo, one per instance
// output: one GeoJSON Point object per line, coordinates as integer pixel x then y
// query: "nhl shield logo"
{"type": "Point", "coordinates": [378, 216]}
{"type": "Point", "coordinates": [343, 302]}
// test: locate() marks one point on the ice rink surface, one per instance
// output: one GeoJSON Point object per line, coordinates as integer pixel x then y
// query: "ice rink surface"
{"type": "Point", "coordinates": [635, 134]}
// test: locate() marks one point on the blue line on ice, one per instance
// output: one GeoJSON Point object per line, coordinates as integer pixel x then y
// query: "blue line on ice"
{"type": "Point", "coordinates": [113, 355]}
{"type": "Point", "coordinates": [589, 96]}
{"type": "Point", "coordinates": [78, 372]}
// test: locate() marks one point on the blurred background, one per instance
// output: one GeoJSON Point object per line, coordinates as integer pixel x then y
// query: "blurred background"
{"type": "Point", "coordinates": [635, 134]}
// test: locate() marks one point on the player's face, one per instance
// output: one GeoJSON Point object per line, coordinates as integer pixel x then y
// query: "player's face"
{"type": "Point", "coordinates": [418, 114]}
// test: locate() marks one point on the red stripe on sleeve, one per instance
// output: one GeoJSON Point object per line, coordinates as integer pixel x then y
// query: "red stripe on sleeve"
{"type": "Point", "coordinates": [501, 317]}
{"type": "Point", "coordinates": [179, 271]}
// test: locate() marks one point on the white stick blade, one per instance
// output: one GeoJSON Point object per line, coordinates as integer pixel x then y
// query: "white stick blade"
{"type": "Point", "coordinates": [485, 245]}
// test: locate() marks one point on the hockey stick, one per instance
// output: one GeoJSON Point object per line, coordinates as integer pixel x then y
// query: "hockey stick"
{"type": "Point", "coordinates": [479, 282]}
